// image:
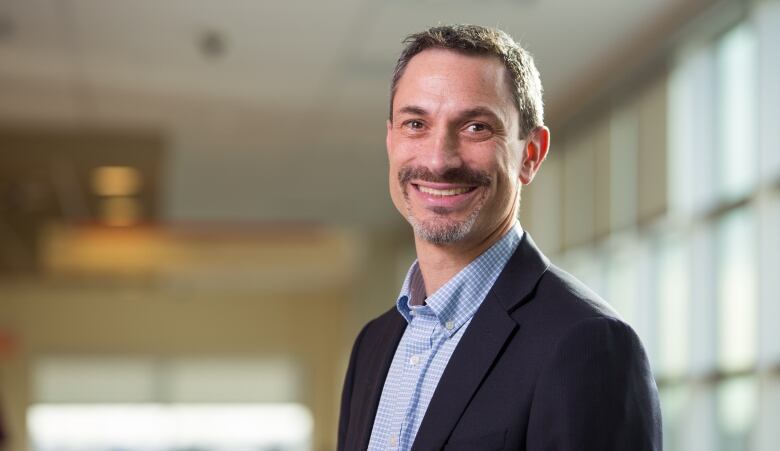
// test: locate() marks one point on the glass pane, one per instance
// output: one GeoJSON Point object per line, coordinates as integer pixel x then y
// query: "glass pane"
{"type": "Point", "coordinates": [646, 305]}
{"type": "Point", "coordinates": [769, 283]}
{"type": "Point", "coordinates": [703, 317]}
{"type": "Point", "coordinates": [767, 431]}
{"type": "Point", "coordinates": [766, 19]}
{"type": "Point", "coordinates": [737, 314]}
{"type": "Point", "coordinates": [675, 401]}
{"type": "Point", "coordinates": [736, 412]}
{"type": "Point", "coordinates": [579, 191]}
{"type": "Point", "coordinates": [698, 427]}
{"type": "Point", "coordinates": [624, 146]}
{"type": "Point", "coordinates": [621, 278]}
{"type": "Point", "coordinates": [673, 305]}
{"type": "Point", "coordinates": [691, 134]}
{"type": "Point", "coordinates": [737, 162]}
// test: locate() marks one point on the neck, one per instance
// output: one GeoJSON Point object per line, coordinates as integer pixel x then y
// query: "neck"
{"type": "Point", "coordinates": [440, 263]}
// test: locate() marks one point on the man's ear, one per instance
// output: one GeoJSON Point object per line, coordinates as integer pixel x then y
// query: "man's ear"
{"type": "Point", "coordinates": [536, 145]}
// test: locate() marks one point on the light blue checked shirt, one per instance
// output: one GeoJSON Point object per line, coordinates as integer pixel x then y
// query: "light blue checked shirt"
{"type": "Point", "coordinates": [435, 326]}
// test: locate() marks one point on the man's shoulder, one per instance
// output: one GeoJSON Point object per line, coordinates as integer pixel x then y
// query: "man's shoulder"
{"type": "Point", "coordinates": [560, 298]}
{"type": "Point", "coordinates": [564, 314]}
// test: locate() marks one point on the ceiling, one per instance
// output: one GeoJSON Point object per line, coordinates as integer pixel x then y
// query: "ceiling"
{"type": "Point", "coordinates": [274, 111]}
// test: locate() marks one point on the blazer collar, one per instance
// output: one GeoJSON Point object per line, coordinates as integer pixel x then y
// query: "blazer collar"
{"type": "Point", "coordinates": [520, 275]}
{"type": "Point", "coordinates": [481, 344]}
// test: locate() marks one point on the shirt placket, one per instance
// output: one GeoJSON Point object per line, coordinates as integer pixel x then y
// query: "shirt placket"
{"type": "Point", "coordinates": [418, 353]}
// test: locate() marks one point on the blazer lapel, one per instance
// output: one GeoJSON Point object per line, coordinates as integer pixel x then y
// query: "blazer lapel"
{"type": "Point", "coordinates": [480, 345]}
{"type": "Point", "coordinates": [382, 352]}
{"type": "Point", "coordinates": [475, 353]}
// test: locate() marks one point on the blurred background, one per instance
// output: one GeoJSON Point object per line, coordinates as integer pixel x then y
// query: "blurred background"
{"type": "Point", "coordinates": [194, 218]}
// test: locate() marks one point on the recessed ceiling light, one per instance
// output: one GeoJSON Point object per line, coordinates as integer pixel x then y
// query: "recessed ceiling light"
{"type": "Point", "coordinates": [212, 44]}
{"type": "Point", "coordinates": [6, 27]}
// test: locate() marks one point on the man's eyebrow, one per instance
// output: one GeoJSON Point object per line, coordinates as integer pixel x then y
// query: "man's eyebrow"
{"type": "Point", "coordinates": [477, 112]}
{"type": "Point", "coordinates": [413, 110]}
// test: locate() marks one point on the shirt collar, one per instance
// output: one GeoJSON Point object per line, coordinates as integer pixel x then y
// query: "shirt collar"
{"type": "Point", "coordinates": [457, 300]}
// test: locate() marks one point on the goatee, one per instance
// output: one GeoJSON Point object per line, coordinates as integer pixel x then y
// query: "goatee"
{"type": "Point", "coordinates": [442, 230]}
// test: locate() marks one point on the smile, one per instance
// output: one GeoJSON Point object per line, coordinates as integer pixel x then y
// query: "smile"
{"type": "Point", "coordinates": [444, 192]}
{"type": "Point", "coordinates": [443, 197]}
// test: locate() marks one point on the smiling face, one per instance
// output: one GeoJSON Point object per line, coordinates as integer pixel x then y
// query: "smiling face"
{"type": "Point", "coordinates": [454, 147]}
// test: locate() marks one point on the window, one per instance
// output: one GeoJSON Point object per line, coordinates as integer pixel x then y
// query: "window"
{"type": "Point", "coordinates": [163, 427]}
{"type": "Point", "coordinates": [736, 131]}
{"type": "Point", "coordinates": [92, 403]}
{"type": "Point", "coordinates": [737, 309]}
{"type": "Point", "coordinates": [698, 280]}
{"type": "Point", "coordinates": [673, 294]}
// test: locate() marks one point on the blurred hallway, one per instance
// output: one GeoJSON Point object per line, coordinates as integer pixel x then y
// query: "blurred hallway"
{"type": "Point", "coordinates": [194, 218]}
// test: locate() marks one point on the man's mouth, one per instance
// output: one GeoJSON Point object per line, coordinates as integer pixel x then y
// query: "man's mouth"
{"type": "Point", "coordinates": [455, 190]}
{"type": "Point", "coordinates": [444, 192]}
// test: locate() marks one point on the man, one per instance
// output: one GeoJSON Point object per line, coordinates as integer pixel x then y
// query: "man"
{"type": "Point", "coordinates": [490, 347]}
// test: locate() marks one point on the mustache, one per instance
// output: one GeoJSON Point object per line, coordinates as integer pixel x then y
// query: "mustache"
{"type": "Point", "coordinates": [462, 175]}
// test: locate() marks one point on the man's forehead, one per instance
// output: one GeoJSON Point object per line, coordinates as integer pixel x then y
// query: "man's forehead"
{"type": "Point", "coordinates": [463, 81]}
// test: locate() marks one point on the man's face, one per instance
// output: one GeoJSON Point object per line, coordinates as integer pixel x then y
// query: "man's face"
{"type": "Point", "coordinates": [454, 147]}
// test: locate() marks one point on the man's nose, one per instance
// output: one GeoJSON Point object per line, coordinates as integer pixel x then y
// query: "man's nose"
{"type": "Point", "coordinates": [444, 152]}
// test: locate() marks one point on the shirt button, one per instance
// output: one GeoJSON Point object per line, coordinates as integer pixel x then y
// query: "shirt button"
{"type": "Point", "coordinates": [449, 325]}
{"type": "Point", "coordinates": [393, 440]}
{"type": "Point", "coordinates": [414, 360]}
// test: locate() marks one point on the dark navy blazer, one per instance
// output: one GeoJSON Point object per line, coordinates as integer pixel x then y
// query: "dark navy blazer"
{"type": "Point", "coordinates": [545, 364]}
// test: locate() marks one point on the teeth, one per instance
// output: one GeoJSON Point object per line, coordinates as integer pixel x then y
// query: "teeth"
{"type": "Point", "coordinates": [443, 192]}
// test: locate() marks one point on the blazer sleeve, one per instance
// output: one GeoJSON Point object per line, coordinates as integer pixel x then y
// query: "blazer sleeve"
{"type": "Point", "coordinates": [596, 393]}
{"type": "Point", "coordinates": [346, 393]}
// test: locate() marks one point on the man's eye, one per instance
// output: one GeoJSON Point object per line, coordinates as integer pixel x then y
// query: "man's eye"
{"type": "Point", "coordinates": [476, 127]}
{"type": "Point", "coordinates": [414, 124]}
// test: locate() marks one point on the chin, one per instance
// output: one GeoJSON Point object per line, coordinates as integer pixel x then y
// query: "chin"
{"type": "Point", "coordinates": [443, 231]}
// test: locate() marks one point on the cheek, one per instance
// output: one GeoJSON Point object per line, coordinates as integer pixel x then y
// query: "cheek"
{"type": "Point", "coordinates": [509, 167]}
{"type": "Point", "coordinates": [398, 156]}
{"type": "Point", "coordinates": [505, 172]}
{"type": "Point", "coordinates": [396, 194]}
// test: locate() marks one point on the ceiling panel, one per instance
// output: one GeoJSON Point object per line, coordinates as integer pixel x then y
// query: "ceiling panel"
{"type": "Point", "coordinates": [289, 122]}
{"type": "Point", "coordinates": [567, 38]}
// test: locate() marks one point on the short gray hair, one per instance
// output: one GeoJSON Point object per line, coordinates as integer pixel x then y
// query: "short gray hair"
{"type": "Point", "coordinates": [526, 86]}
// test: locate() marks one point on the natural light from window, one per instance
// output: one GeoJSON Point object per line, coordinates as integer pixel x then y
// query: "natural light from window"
{"type": "Point", "coordinates": [167, 427]}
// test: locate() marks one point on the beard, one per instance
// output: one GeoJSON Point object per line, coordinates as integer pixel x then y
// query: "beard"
{"type": "Point", "coordinates": [443, 230]}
